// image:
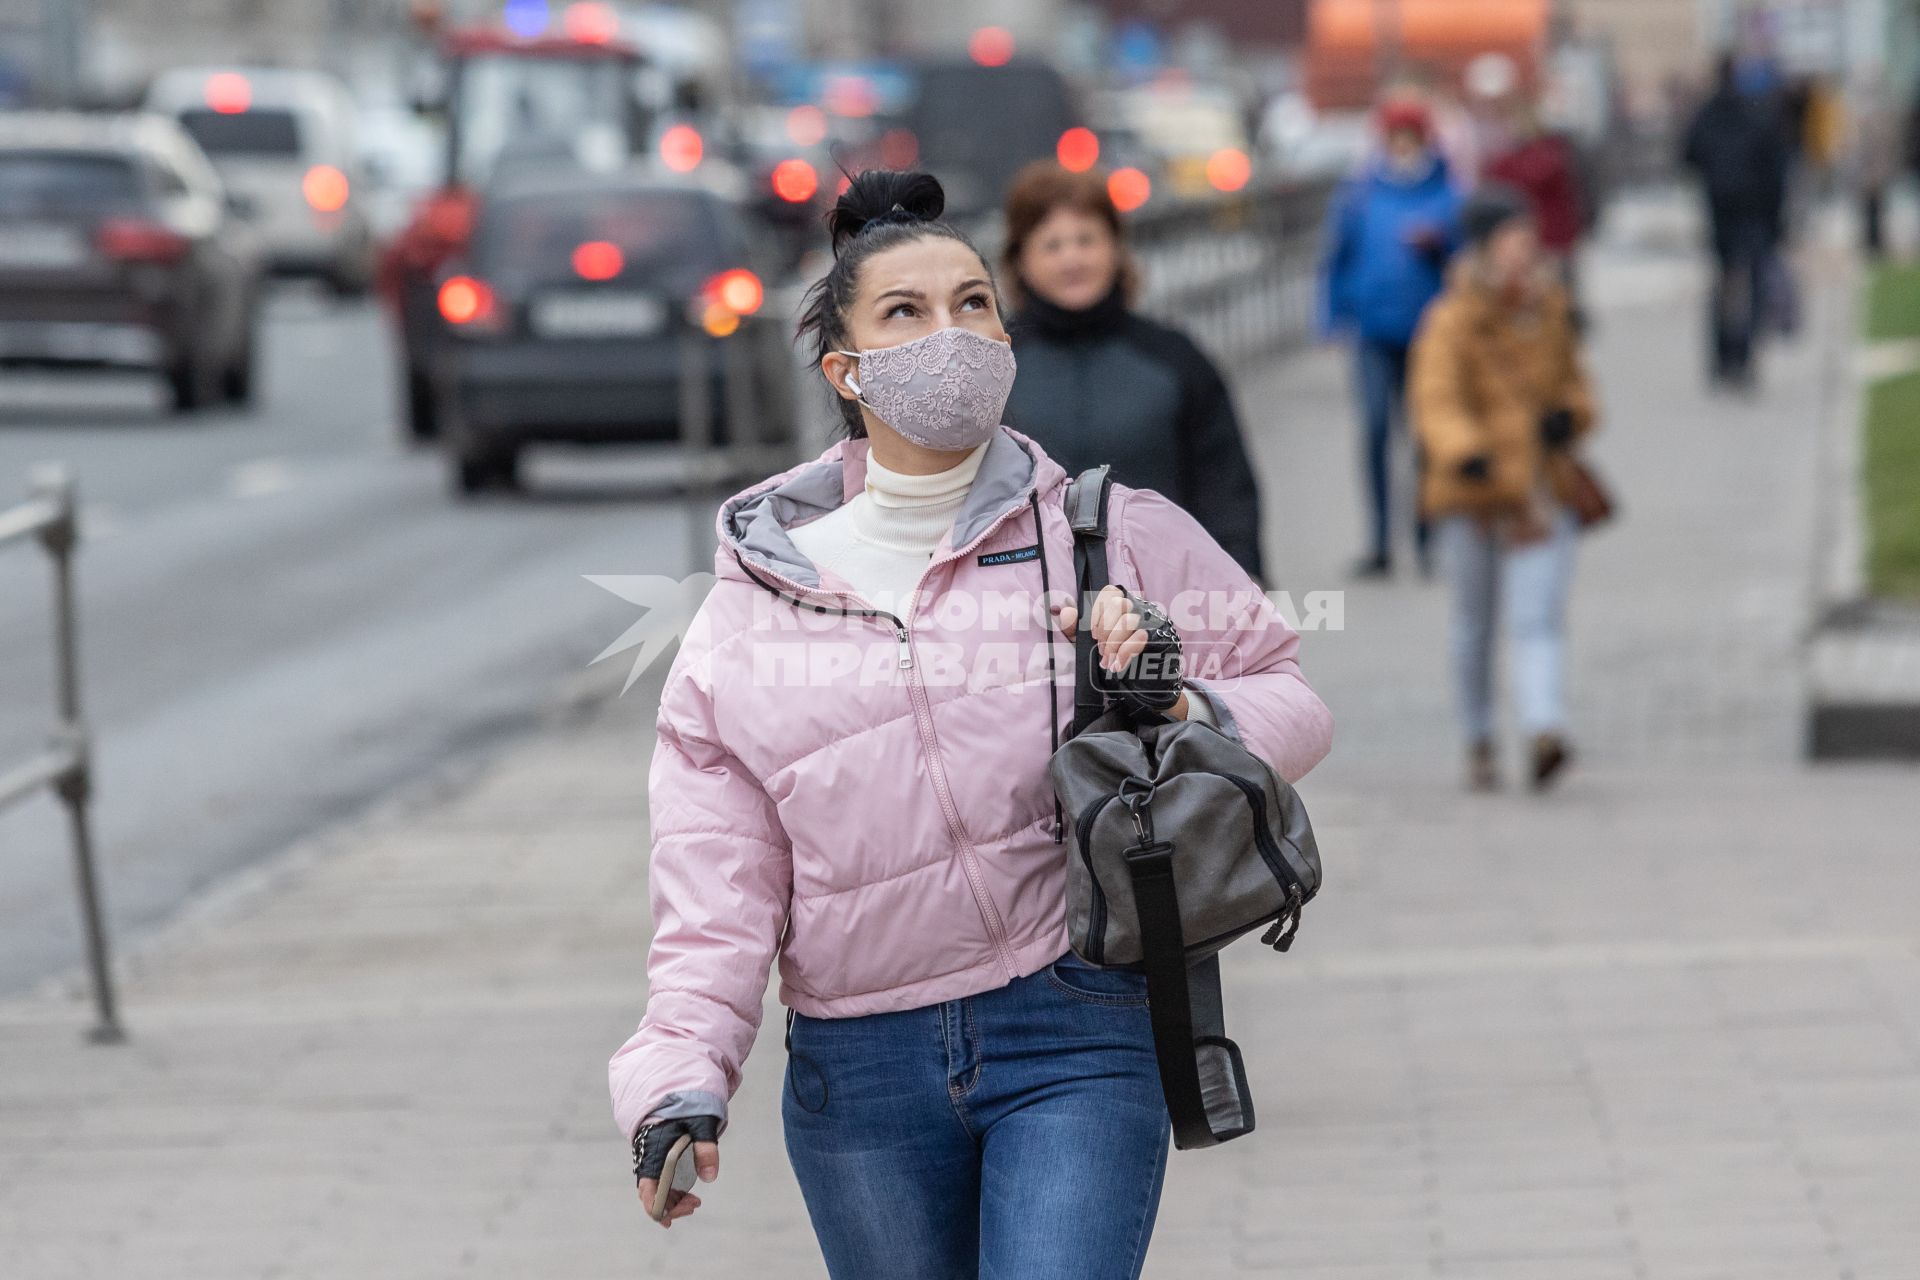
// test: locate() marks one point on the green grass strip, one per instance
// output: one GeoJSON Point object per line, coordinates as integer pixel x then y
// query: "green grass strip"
{"type": "Point", "coordinates": [1892, 474]}
{"type": "Point", "coordinates": [1893, 303]}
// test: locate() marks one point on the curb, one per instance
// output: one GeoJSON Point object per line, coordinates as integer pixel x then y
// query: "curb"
{"type": "Point", "coordinates": [1862, 655]}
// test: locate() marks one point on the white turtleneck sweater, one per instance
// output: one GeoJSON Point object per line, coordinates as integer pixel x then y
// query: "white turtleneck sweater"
{"type": "Point", "coordinates": [881, 540]}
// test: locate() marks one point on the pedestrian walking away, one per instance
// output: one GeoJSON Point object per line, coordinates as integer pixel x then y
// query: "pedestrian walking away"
{"type": "Point", "coordinates": [1500, 402]}
{"type": "Point", "coordinates": [1738, 145]}
{"type": "Point", "coordinates": [1100, 383]}
{"type": "Point", "coordinates": [1391, 230]}
{"type": "Point", "coordinates": [1873, 155]}
{"type": "Point", "coordinates": [851, 778]}
{"type": "Point", "coordinates": [1541, 165]}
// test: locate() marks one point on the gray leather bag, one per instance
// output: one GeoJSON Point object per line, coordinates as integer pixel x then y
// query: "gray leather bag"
{"type": "Point", "coordinates": [1181, 840]}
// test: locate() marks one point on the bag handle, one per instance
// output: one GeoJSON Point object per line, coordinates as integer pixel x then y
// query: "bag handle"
{"type": "Point", "coordinates": [1086, 505]}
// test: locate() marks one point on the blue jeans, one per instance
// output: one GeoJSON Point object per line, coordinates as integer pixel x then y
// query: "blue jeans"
{"type": "Point", "coordinates": [1013, 1134]}
{"type": "Point", "coordinates": [1383, 392]}
{"type": "Point", "coordinates": [1532, 582]}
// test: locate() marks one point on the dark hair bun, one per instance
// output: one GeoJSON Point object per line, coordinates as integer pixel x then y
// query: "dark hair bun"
{"type": "Point", "coordinates": [875, 197]}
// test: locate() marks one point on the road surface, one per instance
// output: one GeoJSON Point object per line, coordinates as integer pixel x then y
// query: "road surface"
{"type": "Point", "coordinates": [284, 614]}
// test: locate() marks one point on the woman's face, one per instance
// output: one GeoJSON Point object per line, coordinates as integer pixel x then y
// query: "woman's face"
{"type": "Point", "coordinates": [1406, 148]}
{"type": "Point", "coordinates": [909, 291]}
{"type": "Point", "coordinates": [1513, 252]}
{"type": "Point", "coordinates": [1071, 259]}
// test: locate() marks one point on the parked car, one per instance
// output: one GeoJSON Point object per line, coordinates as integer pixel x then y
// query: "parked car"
{"type": "Point", "coordinates": [285, 140]}
{"type": "Point", "coordinates": [119, 248]}
{"type": "Point", "coordinates": [574, 306]}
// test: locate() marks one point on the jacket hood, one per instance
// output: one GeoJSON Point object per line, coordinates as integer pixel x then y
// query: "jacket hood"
{"type": "Point", "coordinates": [754, 524]}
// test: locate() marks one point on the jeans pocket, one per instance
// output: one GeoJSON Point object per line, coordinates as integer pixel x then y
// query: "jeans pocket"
{"type": "Point", "coordinates": [1074, 977]}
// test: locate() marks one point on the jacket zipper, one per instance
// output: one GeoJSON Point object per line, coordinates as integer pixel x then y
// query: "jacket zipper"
{"type": "Point", "coordinates": [923, 719]}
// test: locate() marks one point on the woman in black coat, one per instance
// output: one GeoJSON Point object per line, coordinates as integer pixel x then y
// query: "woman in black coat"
{"type": "Point", "coordinates": [1101, 384]}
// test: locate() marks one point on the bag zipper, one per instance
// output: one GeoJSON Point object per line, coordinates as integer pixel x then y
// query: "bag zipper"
{"type": "Point", "coordinates": [1097, 913]}
{"type": "Point", "coordinates": [1274, 856]}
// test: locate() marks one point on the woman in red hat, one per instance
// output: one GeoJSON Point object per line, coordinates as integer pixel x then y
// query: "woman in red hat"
{"type": "Point", "coordinates": [1392, 228]}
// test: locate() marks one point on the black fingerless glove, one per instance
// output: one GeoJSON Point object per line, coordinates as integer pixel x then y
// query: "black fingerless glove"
{"type": "Point", "coordinates": [1556, 428]}
{"type": "Point", "coordinates": [1151, 683]}
{"type": "Point", "coordinates": [653, 1141]}
{"type": "Point", "coordinates": [1478, 468]}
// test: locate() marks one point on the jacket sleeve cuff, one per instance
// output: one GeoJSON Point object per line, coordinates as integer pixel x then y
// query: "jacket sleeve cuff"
{"type": "Point", "coordinates": [688, 1102]}
{"type": "Point", "coordinates": [1209, 708]}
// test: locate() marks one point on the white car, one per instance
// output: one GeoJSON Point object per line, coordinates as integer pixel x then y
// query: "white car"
{"type": "Point", "coordinates": [283, 141]}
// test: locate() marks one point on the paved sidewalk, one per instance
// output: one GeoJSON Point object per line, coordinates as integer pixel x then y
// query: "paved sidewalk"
{"type": "Point", "coordinates": [1662, 1024]}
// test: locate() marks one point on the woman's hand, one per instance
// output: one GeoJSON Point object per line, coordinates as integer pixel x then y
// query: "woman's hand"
{"type": "Point", "coordinates": [650, 1160]}
{"type": "Point", "coordinates": [1119, 636]}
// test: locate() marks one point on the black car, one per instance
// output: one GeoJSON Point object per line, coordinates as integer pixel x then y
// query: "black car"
{"type": "Point", "coordinates": [582, 299]}
{"type": "Point", "coordinates": [120, 249]}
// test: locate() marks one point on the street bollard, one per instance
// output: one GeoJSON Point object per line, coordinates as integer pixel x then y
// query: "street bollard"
{"type": "Point", "coordinates": [696, 445]}
{"type": "Point", "coordinates": [51, 515]}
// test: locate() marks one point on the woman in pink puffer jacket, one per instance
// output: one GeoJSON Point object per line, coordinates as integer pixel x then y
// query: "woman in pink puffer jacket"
{"type": "Point", "coordinates": [851, 777]}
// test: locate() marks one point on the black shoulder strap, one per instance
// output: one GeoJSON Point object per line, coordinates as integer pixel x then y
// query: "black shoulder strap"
{"type": "Point", "coordinates": [1087, 515]}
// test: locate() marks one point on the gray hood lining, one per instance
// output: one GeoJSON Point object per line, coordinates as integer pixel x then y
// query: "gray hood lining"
{"type": "Point", "coordinates": [756, 523]}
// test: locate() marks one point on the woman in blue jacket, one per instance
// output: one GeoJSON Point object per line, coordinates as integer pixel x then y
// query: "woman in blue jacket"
{"type": "Point", "coordinates": [1391, 230]}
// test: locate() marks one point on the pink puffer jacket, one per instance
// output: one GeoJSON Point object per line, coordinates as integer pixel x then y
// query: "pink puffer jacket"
{"type": "Point", "coordinates": [866, 797]}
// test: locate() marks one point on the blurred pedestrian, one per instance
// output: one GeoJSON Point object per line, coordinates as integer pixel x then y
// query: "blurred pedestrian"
{"type": "Point", "coordinates": [1543, 167]}
{"type": "Point", "coordinates": [1874, 158]}
{"type": "Point", "coordinates": [1100, 383]}
{"type": "Point", "coordinates": [1499, 400]}
{"type": "Point", "coordinates": [1493, 88]}
{"type": "Point", "coordinates": [1452, 127]}
{"type": "Point", "coordinates": [851, 778]}
{"type": "Point", "coordinates": [1738, 145]}
{"type": "Point", "coordinates": [1391, 230]}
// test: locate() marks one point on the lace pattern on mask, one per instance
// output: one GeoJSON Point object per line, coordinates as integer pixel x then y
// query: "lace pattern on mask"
{"type": "Point", "coordinates": [946, 390]}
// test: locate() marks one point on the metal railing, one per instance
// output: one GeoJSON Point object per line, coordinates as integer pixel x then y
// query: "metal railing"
{"type": "Point", "coordinates": [755, 410]}
{"type": "Point", "coordinates": [50, 515]}
{"type": "Point", "coordinates": [1240, 271]}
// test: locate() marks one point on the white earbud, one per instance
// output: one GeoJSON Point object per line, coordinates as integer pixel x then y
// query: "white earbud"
{"type": "Point", "coordinates": [853, 384]}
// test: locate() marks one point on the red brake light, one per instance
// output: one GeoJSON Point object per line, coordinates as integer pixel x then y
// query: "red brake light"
{"type": "Point", "coordinates": [738, 290]}
{"type": "Point", "coordinates": [806, 125]}
{"type": "Point", "coordinates": [899, 149]}
{"type": "Point", "coordinates": [598, 260]}
{"type": "Point", "coordinates": [465, 300]}
{"type": "Point", "coordinates": [137, 240]}
{"type": "Point", "coordinates": [1129, 189]}
{"type": "Point", "coordinates": [1228, 169]}
{"type": "Point", "coordinates": [590, 22]}
{"type": "Point", "coordinates": [681, 148]}
{"type": "Point", "coordinates": [795, 181]}
{"type": "Point", "coordinates": [991, 46]}
{"type": "Point", "coordinates": [1078, 149]}
{"type": "Point", "coordinates": [447, 216]}
{"type": "Point", "coordinates": [325, 188]}
{"type": "Point", "coordinates": [228, 93]}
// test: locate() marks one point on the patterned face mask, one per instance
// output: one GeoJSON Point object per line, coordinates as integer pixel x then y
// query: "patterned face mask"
{"type": "Point", "coordinates": [944, 391]}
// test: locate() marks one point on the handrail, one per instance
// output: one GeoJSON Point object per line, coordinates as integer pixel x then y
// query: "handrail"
{"type": "Point", "coordinates": [65, 766]}
{"type": "Point", "coordinates": [1240, 271]}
